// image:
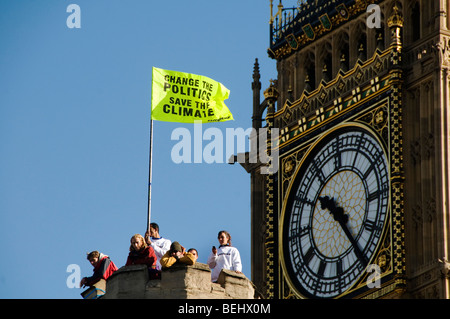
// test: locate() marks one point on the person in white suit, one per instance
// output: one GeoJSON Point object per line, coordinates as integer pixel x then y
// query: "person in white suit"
{"type": "Point", "coordinates": [224, 257]}
{"type": "Point", "coordinates": [159, 244]}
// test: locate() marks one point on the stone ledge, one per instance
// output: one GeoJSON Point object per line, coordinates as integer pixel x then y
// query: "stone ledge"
{"type": "Point", "coordinates": [177, 282]}
{"type": "Point", "coordinates": [236, 285]}
{"type": "Point", "coordinates": [127, 282]}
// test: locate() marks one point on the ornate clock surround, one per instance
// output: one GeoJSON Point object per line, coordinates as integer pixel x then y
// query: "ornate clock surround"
{"type": "Point", "coordinates": [363, 117]}
{"type": "Point", "coordinates": [372, 100]}
{"type": "Point", "coordinates": [417, 75]}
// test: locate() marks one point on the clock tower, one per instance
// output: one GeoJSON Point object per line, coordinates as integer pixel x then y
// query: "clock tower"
{"type": "Point", "coordinates": [359, 205]}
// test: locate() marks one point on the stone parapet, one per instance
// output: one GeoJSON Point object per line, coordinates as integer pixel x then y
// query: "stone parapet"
{"type": "Point", "coordinates": [236, 285]}
{"type": "Point", "coordinates": [177, 282]}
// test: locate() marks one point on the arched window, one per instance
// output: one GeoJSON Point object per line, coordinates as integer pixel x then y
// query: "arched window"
{"type": "Point", "coordinates": [415, 21]}
{"type": "Point", "coordinates": [358, 42]}
{"type": "Point", "coordinates": [310, 76]}
{"type": "Point", "coordinates": [342, 60]}
{"type": "Point", "coordinates": [362, 47]}
{"type": "Point", "coordinates": [324, 67]}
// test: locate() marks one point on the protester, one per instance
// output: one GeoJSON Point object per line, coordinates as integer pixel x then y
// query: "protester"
{"type": "Point", "coordinates": [177, 254]}
{"type": "Point", "coordinates": [194, 252]}
{"type": "Point", "coordinates": [103, 268]}
{"type": "Point", "coordinates": [224, 257]}
{"type": "Point", "coordinates": [160, 245]}
{"type": "Point", "coordinates": [140, 253]}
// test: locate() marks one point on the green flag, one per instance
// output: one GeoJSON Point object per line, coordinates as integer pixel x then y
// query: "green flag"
{"type": "Point", "coordinates": [188, 98]}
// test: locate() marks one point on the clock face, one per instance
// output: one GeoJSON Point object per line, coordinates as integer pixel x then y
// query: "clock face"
{"type": "Point", "coordinates": [336, 213]}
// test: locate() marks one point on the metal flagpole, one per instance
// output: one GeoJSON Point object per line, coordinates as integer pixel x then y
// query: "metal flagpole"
{"type": "Point", "coordinates": [149, 208]}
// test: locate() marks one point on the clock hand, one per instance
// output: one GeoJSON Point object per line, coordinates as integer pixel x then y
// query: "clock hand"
{"type": "Point", "coordinates": [342, 219]}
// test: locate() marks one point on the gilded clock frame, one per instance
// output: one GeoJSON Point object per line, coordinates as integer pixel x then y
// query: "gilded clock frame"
{"type": "Point", "coordinates": [383, 254]}
{"type": "Point", "coordinates": [374, 104]}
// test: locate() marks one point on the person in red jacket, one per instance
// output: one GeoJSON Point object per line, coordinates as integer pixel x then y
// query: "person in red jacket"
{"type": "Point", "coordinates": [141, 253]}
{"type": "Point", "coordinates": [103, 268]}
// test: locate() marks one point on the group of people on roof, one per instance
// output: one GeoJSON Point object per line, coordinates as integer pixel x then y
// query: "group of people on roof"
{"type": "Point", "coordinates": [160, 253]}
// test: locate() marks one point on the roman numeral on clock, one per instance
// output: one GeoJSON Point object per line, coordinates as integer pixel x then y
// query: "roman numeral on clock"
{"type": "Point", "coordinates": [371, 225]}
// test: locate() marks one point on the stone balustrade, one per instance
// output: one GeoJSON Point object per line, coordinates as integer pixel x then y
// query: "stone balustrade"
{"type": "Point", "coordinates": [177, 282]}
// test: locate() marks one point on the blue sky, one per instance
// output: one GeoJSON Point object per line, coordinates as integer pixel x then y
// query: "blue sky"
{"type": "Point", "coordinates": [74, 132]}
